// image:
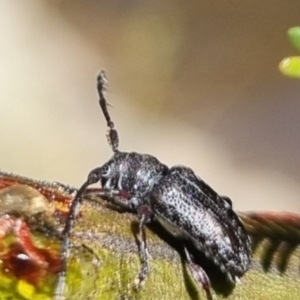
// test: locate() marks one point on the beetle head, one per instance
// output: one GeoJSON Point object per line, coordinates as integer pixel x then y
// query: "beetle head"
{"type": "Point", "coordinates": [108, 174]}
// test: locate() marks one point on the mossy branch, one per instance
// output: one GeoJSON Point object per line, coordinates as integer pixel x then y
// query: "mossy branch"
{"type": "Point", "coordinates": [108, 269]}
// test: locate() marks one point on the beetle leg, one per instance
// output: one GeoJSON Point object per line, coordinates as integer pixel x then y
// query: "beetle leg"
{"type": "Point", "coordinates": [198, 274]}
{"type": "Point", "coordinates": [61, 282]}
{"type": "Point", "coordinates": [144, 213]}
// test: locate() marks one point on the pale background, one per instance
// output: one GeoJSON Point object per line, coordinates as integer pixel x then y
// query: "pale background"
{"type": "Point", "coordinates": [191, 82]}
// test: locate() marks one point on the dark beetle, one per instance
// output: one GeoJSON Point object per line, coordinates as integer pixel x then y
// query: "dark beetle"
{"type": "Point", "coordinates": [175, 197]}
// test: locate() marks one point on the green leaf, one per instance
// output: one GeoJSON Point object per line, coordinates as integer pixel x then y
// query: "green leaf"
{"type": "Point", "coordinates": [294, 37]}
{"type": "Point", "coordinates": [290, 66]}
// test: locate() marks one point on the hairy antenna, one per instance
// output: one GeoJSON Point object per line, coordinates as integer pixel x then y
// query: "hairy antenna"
{"type": "Point", "coordinates": [112, 134]}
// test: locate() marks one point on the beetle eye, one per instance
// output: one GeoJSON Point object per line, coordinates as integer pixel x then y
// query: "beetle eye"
{"type": "Point", "coordinates": [106, 170]}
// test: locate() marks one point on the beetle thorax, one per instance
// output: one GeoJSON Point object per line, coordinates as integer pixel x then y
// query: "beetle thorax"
{"type": "Point", "coordinates": [133, 173]}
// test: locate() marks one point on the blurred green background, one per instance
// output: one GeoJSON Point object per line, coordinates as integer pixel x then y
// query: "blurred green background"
{"type": "Point", "coordinates": [191, 82]}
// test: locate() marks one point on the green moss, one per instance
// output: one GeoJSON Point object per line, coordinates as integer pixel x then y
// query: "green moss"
{"type": "Point", "coordinates": [25, 290]}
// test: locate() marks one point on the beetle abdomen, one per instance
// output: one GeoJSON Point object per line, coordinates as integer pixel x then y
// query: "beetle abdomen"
{"type": "Point", "coordinates": [189, 208]}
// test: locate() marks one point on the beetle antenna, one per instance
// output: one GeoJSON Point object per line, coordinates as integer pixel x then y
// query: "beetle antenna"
{"type": "Point", "coordinates": [112, 134]}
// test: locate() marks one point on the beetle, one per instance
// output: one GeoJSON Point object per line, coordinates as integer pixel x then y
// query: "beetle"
{"type": "Point", "coordinates": [175, 197]}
